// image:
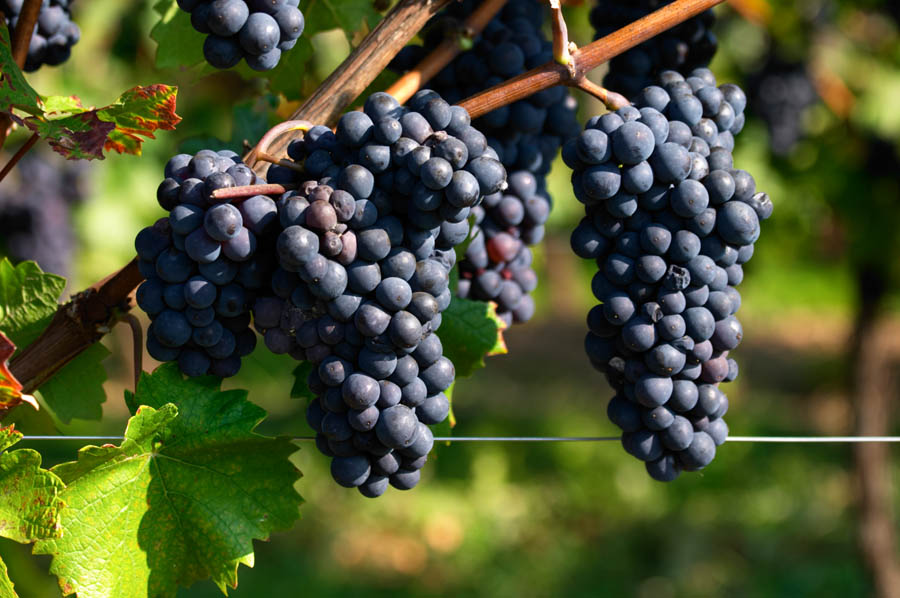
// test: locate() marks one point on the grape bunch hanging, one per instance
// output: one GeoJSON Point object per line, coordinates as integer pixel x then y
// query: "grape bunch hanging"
{"type": "Point", "coordinates": [203, 264]}
{"type": "Point", "coordinates": [349, 272]}
{"type": "Point", "coordinates": [54, 35]}
{"type": "Point", "coordinates": [669, 222]}
{"type": "Point", "coordinates": [256, 30]}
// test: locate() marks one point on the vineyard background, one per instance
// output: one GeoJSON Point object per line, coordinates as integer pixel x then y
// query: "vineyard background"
{"type": "Point", "coordinates": [580, 519]}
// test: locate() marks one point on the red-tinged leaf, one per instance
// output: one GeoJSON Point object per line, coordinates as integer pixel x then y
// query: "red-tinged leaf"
{"type": "Point", "coordinates": [10, 388]}
{"type": "Point", "coordinates": [77, 137]}
{"type": "Point", "coordinates": [137, 113]}
{"type": "Point", "coordinates": [15, 92]}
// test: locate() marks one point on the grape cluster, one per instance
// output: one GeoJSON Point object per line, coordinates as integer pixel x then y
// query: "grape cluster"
{"type": "Point", "coordinates": [780, 92]}
{"type": "Point", "coordinates": [526, 137]}
{"type": "Point", "coordinates": [364, 255]}
{"type": "Point", "coordinates": [204, 264]}
{"type": "Point", "coordinates": [669, 222]}
{"type": "Point", "coordinates": [256, 30]}
{"type": "Point", "coordinates": [54, 35]}
{"type": "Point", "coordinates": [497, 263]}
{"type": "Point", "coordinates": [35, 209]}
{"type": "Point", "coordinates": [683, 48]}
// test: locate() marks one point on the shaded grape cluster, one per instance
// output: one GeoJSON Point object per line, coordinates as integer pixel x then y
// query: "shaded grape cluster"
{"type": "Point", "coordinates": [497, 262]}
{"type": "Point", "coordinates": [526, 136]}
{"type": "Point", "coordinates": [256, 30]}
{"type": "Point", "coordinates": [204, 264]}
{"type": "Point", "coordinates": [35, 209]}
{"type": "Point", "coordinates": [669, 221]}
{"type": "Point", "coordinates": [365, 253]}
{"type": "Point", "coordinates": [780, 93]}
{"type": "Point", "coordinates": [682, 48]}
{"type": "Point", "coordinates": [54, 34]}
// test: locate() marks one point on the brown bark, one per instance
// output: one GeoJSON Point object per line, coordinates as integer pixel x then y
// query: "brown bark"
{"type": "Point", "coordinates": [585, 59]}
{"type": "Point", "coordinates": [872, 356]}
{"type": "Point", "coordinates": [76, 326]}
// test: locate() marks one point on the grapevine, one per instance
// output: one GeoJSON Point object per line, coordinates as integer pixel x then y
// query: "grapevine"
{"type": "Point", "coordinates": [378, 252]}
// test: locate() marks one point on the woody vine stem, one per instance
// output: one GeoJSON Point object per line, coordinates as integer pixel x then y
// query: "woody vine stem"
{"type": "Point", "coordinates": [91, 313]}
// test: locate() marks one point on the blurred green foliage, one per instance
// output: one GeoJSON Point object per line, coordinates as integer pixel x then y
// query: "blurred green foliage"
{"type": "Point", "coordinates": [568, 519]}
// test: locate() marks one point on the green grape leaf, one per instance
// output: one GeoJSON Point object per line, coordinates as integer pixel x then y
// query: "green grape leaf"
{"type": "Point", "coordinates": [6, 584]}
{"type": "Point", "coordinates": [300, 389]}
{"type": "Point", "coordinates": [471, 331]}
{"type": "Point", "coordinates": [28, 300]}
{"type": "Point", "coordinates": [85, 373]}
{"type": "Point", "coordinates": [29, 496]}
{"type": "Point", "coordinates": [180, 500]}
{"type": "Point", "coordinates": [15, 92]}
{"type": "Point", "coordinates": [349, 15]}
{"type": "Point", "coordinates": [249, 122]}
{"type": "Point", "coordinates": [178, 43]}
{"type": "Point", "coordinates": [283, 79]}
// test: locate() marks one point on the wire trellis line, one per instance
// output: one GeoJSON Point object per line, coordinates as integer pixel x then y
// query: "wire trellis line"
{"type": "Point", "coordinates": [766, 439]}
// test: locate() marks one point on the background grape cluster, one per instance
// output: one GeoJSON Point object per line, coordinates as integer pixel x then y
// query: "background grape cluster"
{"type": "Point", "coordinates": [256, 30]}
{"type": "Point", "coordinates": [203, 264]}
{"type": "Point", "coordinates": [526, 136]}
{"type": "Point", "coordinates": [683, 48]}
{"type": "Point", "coordinates": [35, 209]}
{"type": "Point", "coordinates": [780, 92]}
{"type": "Point", "coordinates": [54, 35]}
{"type": "Point", "coordinates": [669, 222]}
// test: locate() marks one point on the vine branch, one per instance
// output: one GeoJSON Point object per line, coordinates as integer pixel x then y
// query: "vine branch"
{"type": "Point", "coordinates": [137, 345]}
{"type": "Point", "coordinates": [585, 59]}
{"type": "Point", "coordinates": [75, 326]}
{"type": "Point", "coordinates": [89, 315]}
{"type": "Point", "coordinates": [18, 155]}
{"type": "Point", "coordinates": [444, 53]}
{"type": "Point", "coordinates": [610, 99]}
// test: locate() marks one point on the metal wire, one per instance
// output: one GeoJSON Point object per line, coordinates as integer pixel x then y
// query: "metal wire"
{"type": "Point", "coordinates": [768, 439]}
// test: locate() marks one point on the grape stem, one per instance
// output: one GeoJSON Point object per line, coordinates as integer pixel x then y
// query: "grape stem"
{"type": "Point", "coordinates": [266, 157]}
{"type": "Point", "coordinates": [562, 47]}
{"type": "Point", "coordinates": [21, 38]}
{"type": "Point", "coordinates": [263, 144]}
{"type": "Point", "coordinates": [86, 318]}
{"type": "Point", "coordinates": [18, 155]}
{"type": "Point", "coordinates": [250, 190]}
{"type": "Point", "coordinates": [407, 85]}
{"type": "Point", "coordinates": [137, 344]}
{"type": "Point", "coordinates": [610, 99]}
